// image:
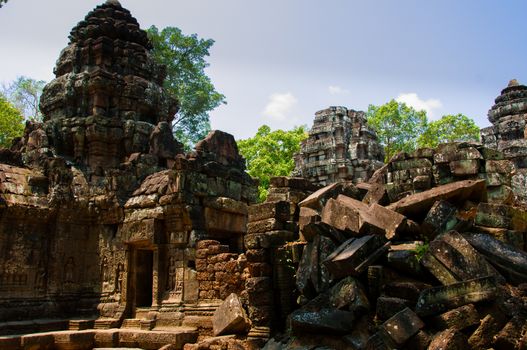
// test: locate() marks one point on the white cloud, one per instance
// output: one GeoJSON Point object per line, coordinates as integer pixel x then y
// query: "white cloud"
{"type": "Point", "coordinates": [337, 90]}
{"type": "Point", "coordinates": [412, 100]}
{"type": "Point", "coordinates": [280, 105]}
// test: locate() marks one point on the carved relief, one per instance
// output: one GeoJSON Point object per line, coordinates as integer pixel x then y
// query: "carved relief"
{"type": "Point", "coordinates": [69, 270]}
{"type": "Point", "coordinates": [119, 278]}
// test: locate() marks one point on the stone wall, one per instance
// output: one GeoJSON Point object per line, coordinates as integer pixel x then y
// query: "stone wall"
{"type": "Point", "coordinates": [409, 173]}
{"type": "Point", "coordinates": [507, 133]}
{"type": "Point", "coordinates": [340, 147]}
{"type": "Point", "coordinates": [100, 210]}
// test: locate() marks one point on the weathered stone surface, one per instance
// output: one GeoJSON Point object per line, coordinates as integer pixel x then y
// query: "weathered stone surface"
{"type": "Point", "coordinates": [440, 218]}
{"type": "Point", "coordinates": [355, 255]}
{"type": "Point", "coordinates": [312, 275]}
{"type": "Point", "coordinates": [340, 146]}
{"type": "Point", "coordinates": [439, 299]}
{"type": "Point", "coordinates": [389, 306]}
{"type": "Point", "coordinates": [230, 317]}
{"type": "Point", "coordinates": [318, 199]}
{"type": "Point", "coordinates": [449, 339]}
{"type": "Point", "coordinates": [375, 218]}
{"type": "Point", "coordinates": [270, 210]}
{"type": "Point", "coordinates": [483, 336]}
{"type": "Point", "coordinates": [332, 321]}
{"type": "Point", "coordinates": [450, 258]}
{"type": "Point", "coordinates": [510, 336]}
{"type": "Point", "coordinates": [403, 325]}
{"type": "Point", "coordinates": [458, 319]}
{"type": "Point", "coordinates": [510, 261]}
{"type": "Point", "coordinates": [341, 216]}
{"type": "Point", "coordinates": [403, 257]}
{"type": "Point", "coordinates": [420, 203]}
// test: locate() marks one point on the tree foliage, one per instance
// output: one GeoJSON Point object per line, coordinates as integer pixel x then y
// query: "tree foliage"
{"type": "Point", "coordinates": [2, 2]}
{"type": "Point", "coordinates": [397, 125]}
{"type": "Point", "coordinates": [11, 122]}
{"type": "Point", "coordinates": [24, 93]}
{"type": "Point", "coordinates": [270, 153]}
{"type": "Point", "coordinates": [449, 128]}
{"type": "Point", "coordinates": [184, 57]}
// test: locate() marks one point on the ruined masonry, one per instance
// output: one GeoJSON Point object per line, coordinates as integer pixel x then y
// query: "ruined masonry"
{"type": "Point", "coordinates": [102, 215]}
{"type": "Point", "coordinates": [508, 132]}
{"type": "Point", "coordinates": [111, 236]}
{"type": "Point", "coordinates": [340, 147]}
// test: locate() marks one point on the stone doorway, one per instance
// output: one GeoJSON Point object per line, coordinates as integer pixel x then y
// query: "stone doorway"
{"type": "Point", "coordinates": [144, 263]}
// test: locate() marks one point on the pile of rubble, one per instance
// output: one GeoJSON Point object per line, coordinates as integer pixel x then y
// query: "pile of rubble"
{"type": "Point", "coordinates": [441, 268]}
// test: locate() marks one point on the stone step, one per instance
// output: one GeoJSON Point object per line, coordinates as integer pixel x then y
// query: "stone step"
{"type": "Point", "coordinates": [106, 323]}
{"type": "Point", "coordinates": [79, 325]}
{"type": "Point", "coordinates": [131, 323]}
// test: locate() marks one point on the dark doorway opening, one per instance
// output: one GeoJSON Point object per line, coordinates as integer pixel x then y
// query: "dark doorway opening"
{"type": "Point", "coordinates": [143, 278]}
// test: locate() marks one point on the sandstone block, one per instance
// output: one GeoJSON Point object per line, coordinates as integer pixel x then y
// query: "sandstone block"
{"type": "Point", "coordinates": [439, 299]}
{"type": "Point", "coordinates": [230, 317]}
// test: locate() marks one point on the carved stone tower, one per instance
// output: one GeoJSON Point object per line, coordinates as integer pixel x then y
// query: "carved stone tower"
{"type": "Point", "coordinates": [340, 147]}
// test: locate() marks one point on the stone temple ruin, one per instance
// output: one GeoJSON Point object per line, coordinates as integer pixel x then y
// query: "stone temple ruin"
{"type": "Point", "coordinates": [111, 236]}
{"type": "Point", "coordinates": [340, 147]}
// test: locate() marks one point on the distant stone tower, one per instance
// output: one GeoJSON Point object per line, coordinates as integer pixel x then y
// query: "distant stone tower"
{"type": "Point", "coordinates": [508, 132]}
{"type": "Point", "coordinates": [340, 147]}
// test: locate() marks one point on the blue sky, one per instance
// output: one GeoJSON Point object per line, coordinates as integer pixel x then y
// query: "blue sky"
{"type": "Point", "coordinates": [279, 61]}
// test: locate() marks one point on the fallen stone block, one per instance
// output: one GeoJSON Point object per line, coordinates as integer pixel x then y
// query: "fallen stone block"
{"type": "Point", "coordinates": [355, 255]}
{"type": "Point", "coordinates": [483, 336]}
{"type": "Point", "coordinates": [376, 194]}
{"type": "Point", "coordinates": [230, 317]}
{"type": "Point", "coordinates": [318, 199]}
{"type": "Point", "coordinates": [403, 257]}
{"type": "Point", "coordinates": [307, 216]}
{"type": "Point", "coordinates": [440, 218]}
{"type": "Point", "coordinates": [510, 261]}
{"type": "Point", "coordinates": [359, 335]}
{"type": "Point", "coordinates": [416, 205]}
{"type": "Point", "coordinates": [510, 336]}
{"type": "Point", "coordinates": [341, 216]}
{"type": "Point", "coordinates": [312, 276]}
{"type": "Point", "coordinates": [458, 319]}
{"type": "Point", "coordinates": [408, 290]}
{"type": "Point", "coordinates": [403, 325]}
{"type": "Point", "coordinates": [450, 258]}
{"type": "Point", "coordinates": [325, 320]}
{"type": "Point", "coordinates": [420, 341]}
{"type": "Point", "coordinates": [437, 300]}
{"type": "Point", "coordinates": [449, 339]}
{"type": "Point", "coordinates": [375, 218]}
{"type": "Point", "coordinates": [310, 231]}
{"type": "Point", "coordinates": [511, 237]}
{"type": "Point", "coordinates": [389, 306]}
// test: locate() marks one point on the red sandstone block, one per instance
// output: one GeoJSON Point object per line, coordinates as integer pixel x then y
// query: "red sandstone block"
{"type": "Point", "coordinates": [204, 244]}
{"type": "Point", "coordinates": [202, 253]}
{"type": "Point", "coordinates": [201, 264]}
{"type": "Point", "coordinates": [205, 276]}
{"type": "Point", "coordinates": [218, 249]}
{"type": "Point", "coordinates": [256, 255]}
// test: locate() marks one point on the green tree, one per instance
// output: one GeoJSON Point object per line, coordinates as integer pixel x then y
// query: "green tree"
{"type": "Point", "coordinates": [184, 57]}
{"type": "Point", "coordinates": [24, 93]}
{"type": "Point", "coordinates": [449, 128]}
{"type": "Point", "coordinates": [397, 125]}
{"type": "Point", "coordinates": [270, 153]}
{"type": "Point", "coordinates": [11, 122]}
{"type": "Point", "coordinates": [2, 2]}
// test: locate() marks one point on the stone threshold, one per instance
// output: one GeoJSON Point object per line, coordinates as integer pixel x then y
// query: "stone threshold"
{"type": "Point", "coordinates": [101, 338]}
